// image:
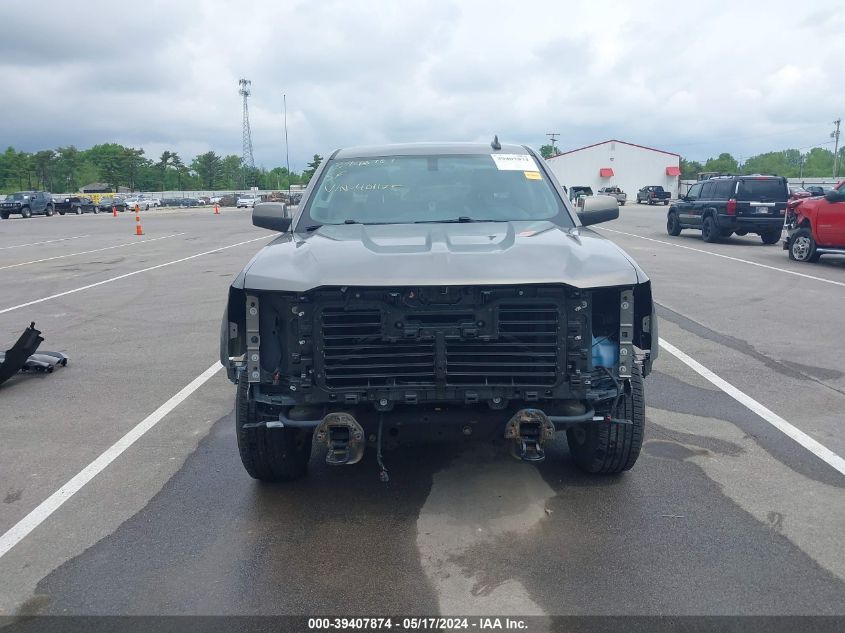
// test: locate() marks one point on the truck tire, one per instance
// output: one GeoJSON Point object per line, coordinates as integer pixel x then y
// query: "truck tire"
{"type": "Point", "coordinates": [802, 247]}
{"type": "Point", "coordinates": [270, 455]}
{"type": "Point", "coordinates": [673, 224]}
{"type": "Point", "coordinates": [49, 211]}
{"type": "Point", "coordinates": [771, 237]}
{"type": "Point", "coordinates": [709, 232]}
{"type": "Point", "coordinates": [26, 212]}
{"type": "Point", "coordinates": [665, 203]}
{"type": "Point", "coordinates": [78, 210]}
{"type": "Point", "coordinates": [610, 448]}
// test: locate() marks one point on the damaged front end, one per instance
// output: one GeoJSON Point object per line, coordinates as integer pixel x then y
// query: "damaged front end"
{"type": "Point", "coordinates": [526, 360]}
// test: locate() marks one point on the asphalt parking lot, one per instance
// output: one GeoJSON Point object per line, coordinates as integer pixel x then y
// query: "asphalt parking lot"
{"type": "Point", "coordinates": [728, 511]}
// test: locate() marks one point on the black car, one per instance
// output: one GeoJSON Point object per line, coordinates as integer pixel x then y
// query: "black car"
{"type": "Point", "coordinates": [26, 204]}
{"type": "Point", "coordinates": [108, 205]}
{"type": "Point", "coordinates": [725, 205]}
{"type": "Point", "coordinates": [74, 204]}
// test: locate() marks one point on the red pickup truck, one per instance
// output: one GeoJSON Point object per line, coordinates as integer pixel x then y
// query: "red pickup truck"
{"type": "Point", "coordinates": [816, 226]}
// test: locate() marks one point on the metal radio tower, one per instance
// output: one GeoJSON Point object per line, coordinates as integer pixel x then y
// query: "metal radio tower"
{"type": "Point", "coordinates": [248, 160]}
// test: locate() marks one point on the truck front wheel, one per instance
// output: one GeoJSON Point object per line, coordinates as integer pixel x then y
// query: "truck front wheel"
{"type": "Point", "coordinates": [610, 447]}
{"type": "Point", "coordinates": [270, 455]}
{"type": "Point", "coordinates": [802, 247]}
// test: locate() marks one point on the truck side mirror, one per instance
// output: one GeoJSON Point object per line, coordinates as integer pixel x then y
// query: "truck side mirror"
{"type": "Point", "coordinates": [271, 215]}
{"type": "Point", "coordinates": [596, 209]}
{"type": "Point", "coordinates": [834, 196]}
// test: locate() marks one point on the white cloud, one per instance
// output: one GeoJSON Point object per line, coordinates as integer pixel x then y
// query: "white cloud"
{"type": "Point", "coordinates": [698, 80]}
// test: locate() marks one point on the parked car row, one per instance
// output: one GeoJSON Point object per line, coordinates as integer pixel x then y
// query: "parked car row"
{"type": "Point", "coordinates": [29, 203]}
{"type": "Point", "coordinates": [77, 205]}
{"type": "Point", "coordinates": [763, 205]}
{"type": "Point", "coordinates": [184, 202]}
{"type": "Point", "coordinates": [650, 194]}
{"type": "Point", "coordinates": [144, 203]}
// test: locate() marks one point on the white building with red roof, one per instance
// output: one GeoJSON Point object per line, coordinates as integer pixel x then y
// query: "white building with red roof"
{"type": "Point", "coordinates": [618, 163]}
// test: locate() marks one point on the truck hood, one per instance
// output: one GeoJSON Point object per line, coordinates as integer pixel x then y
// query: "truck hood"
{"type": "Point", "coordinates": [478, 253]}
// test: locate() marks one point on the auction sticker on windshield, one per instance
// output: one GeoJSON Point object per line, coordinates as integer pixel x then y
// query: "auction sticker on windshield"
{"type": "Point", "coordinates": [514, 162]}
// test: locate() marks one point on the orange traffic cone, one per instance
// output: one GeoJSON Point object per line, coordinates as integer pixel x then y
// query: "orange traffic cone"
{"type": "Point", "coordinates": [216, 210]}
{"type": "Point", "coordinates": [138, 229]}
{"type": "Point", "coordinates": [114, 210]}
{"type": "Point", "coordinates": [137, 208]}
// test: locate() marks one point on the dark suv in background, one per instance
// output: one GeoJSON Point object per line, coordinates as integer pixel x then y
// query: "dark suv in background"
{"type": "Point", "coordinates": [724, 205]}
{"type": "Point", "coordinates": [26, 204]}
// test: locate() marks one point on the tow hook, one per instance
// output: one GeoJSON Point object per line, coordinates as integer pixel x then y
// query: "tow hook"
{"type": "Point", "coordinates": [343, 436]}
{"type": "Point", "coordinates": [528, 429]}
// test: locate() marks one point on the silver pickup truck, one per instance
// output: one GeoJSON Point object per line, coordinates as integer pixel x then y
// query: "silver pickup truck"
{"type": "Point", "coordinates": [616, 192]}
{"type": "Point", "coordinates": [426, 288]}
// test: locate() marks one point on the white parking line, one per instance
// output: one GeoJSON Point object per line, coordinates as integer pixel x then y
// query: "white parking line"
{"type": "Point", "coordinates": [37, 516]}
{"type": "Point", "coordinates": [52, 503]}
{"type": "Point", "coordinates": [735, 259]}
{"type": "Point", "coordinates": [125, 275]}
{"type": "Point", "coordinates": [816, 448]}
{"type": "Point", "coordinates": [62, 239]}
{"type": "Point", "coordinates": [96, 250]}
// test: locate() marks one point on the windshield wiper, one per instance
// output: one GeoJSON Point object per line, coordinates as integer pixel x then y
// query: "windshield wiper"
{"type": "Point", "coordinates": [314, 227]}
{"type": "Point", "coordinates": [460, 219]}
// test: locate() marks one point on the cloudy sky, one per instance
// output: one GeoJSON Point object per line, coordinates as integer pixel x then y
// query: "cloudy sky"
{"type": "Point", "coordinates": [694, 78]}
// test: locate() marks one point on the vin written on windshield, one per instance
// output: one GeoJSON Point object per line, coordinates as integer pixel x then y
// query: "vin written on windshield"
{"type": "Point", "coordinates": [452, 188]}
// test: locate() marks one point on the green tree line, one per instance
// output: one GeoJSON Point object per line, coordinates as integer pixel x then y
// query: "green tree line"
{"type": "Point", "coordinates": [66, 169]}
{"type": "Point", "coordinates": [792, 163]}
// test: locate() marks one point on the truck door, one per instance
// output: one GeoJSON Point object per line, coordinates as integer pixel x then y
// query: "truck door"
{"type": "Point", "coordinates": [704, 202]}
{"type": "Point", "coordinates": [830, 223]}
{"type": "Point", "coordinates": [686, 207]}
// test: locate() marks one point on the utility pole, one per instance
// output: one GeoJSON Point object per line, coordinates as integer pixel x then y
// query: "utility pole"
{"type": "Point", "coordinates": [553, 137]}
{"type": "Point", "coordinates": [287, 151]}
{"type": "Point", "coordinates": [835, 136]}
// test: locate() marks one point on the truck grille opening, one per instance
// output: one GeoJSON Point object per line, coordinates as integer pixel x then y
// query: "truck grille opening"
{"type": "Point", "coordinates": [354, 354]}
{"type": "Point", "coordinates": [525, 351]}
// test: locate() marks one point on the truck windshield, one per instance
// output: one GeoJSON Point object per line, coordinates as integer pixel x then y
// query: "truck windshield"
{"type": "Point", "coordinates": [409, 189]}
